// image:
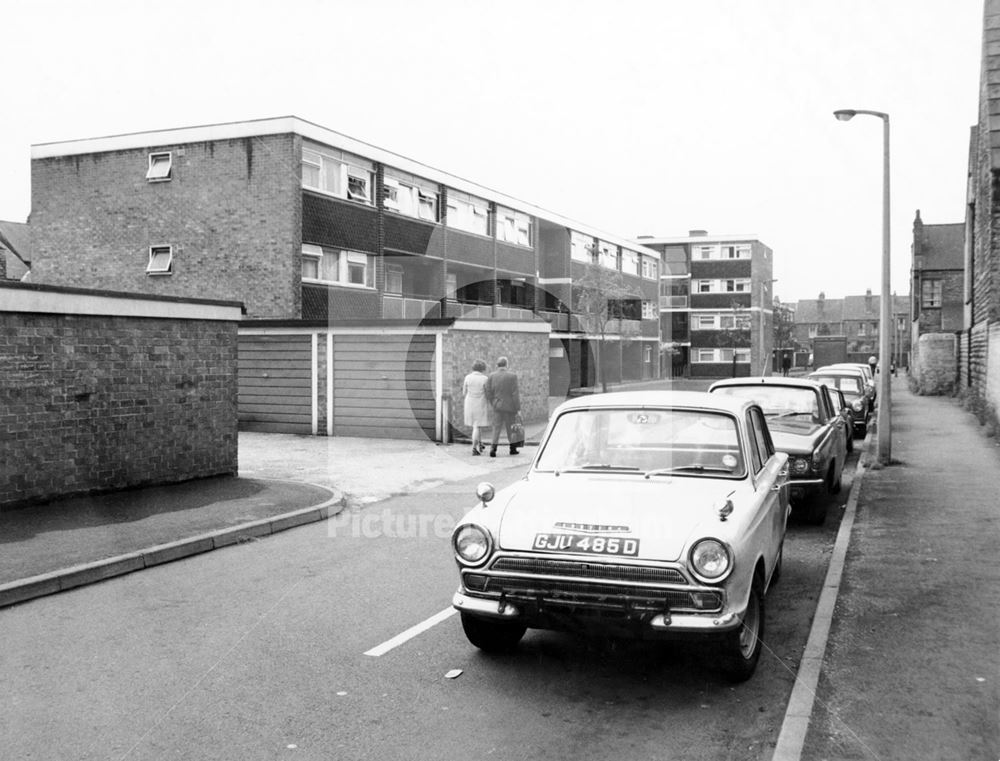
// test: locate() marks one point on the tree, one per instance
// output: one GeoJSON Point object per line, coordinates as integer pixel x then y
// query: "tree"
{"type": "Point", "coordinates": [735, 332]}
{"type": "Point", "coordinates": [603, 303]}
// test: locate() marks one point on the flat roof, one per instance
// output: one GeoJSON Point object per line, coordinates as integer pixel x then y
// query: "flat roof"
{"type": "Point", "coordinates": [727, 238]}
{"type": "Point", "coordinates": [294, 125]}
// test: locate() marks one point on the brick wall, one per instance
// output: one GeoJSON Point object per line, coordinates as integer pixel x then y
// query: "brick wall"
{"type": "Point", "coordinates": [935, 367]}
{"type": "Point", "coordinates": [231, 211]}
{"type": "Point", "coordinates": [106, 392]}
{"type": "Point", "coordinates": [527, 348]}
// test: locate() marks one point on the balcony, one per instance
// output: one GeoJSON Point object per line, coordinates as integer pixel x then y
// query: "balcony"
{"type": "Point", "coordinates": [559, 321]}
{"type": "Point", "coordinates": [673, 302]}
{"type": "Point", "coordinates": [474, 310]}
{"type": "Point", "coordinates": [409, 308]}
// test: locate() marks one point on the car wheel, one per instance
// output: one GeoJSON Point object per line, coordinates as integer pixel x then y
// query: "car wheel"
{"type": "Point", "coordinates": [776, 573]}
{"type": "Point", "coordinates": [833, 487]}
{"type": "Point", "coordinates": [741, 647]}
{"type": "Point", "coordinates": [492, 636]}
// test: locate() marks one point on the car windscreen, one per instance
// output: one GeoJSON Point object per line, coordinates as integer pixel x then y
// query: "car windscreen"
{"type": "Point", "coordinates": [792, 402]}
{"type": "Point", "coordinates": [665, 441]}
{"type": "Point", "coordinates": [849, 384]}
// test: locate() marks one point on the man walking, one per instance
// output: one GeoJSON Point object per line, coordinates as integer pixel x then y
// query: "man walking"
{"type": "Point", "coordinates": [505, 401]}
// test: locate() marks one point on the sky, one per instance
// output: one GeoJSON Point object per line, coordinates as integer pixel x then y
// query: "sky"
{"type": "Point", "coordinates": [636, 117]}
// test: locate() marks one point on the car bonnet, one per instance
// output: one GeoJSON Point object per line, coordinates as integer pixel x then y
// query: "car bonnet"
{"type": "Point", "coordinates": [662, 512]}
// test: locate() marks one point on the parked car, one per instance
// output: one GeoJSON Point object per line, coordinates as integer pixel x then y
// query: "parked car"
{"type": "Point", "coordinates": [841, 406]}
{"type": "Point", "coordinates": [858, 396]}
{"type": "Point", "coordinates": [866, 371]}
{"type": "Point", "coordinates": [804, 425]}
{"type": "Point", "coordinates": [648, 513]}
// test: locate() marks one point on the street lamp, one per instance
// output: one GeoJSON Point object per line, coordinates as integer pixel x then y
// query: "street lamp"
{"type": "Point", "coordinates": [883, 419]}
{"type": "Point", "coordinates": [763, 301]}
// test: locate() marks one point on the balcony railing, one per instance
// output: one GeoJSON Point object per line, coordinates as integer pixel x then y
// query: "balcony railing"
{"type": "Point", "coordinates": [409, 307]}
{"type": "Point", "coordinates": [673, 302]}
{"type": "Point", "coordinates": [486, 311]}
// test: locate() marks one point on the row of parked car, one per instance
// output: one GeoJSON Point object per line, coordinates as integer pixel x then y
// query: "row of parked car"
{"type": "Point", "coordinates": [659, 514]}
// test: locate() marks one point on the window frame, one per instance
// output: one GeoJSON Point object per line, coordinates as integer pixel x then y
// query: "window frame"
{"type": "Point", "coordinates": [159, 250]}
{"type": "Point", "coordinates": [931, 298]}
{"type": "Point", "coordinates": [335, 173]}
{"type": "Point", "coordinates": [344, 258]}
{"type": "Point", "coordinates": [156, 158]}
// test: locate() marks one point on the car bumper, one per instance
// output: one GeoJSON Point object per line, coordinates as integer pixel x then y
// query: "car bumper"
{"type": "Point", "coordinates": [803, 488]}
{"type": "Point", "coordinates": [665, 624]}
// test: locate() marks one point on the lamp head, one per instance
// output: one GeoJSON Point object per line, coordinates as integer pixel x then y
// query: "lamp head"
{"type": "Point", "coordinates": [845, 115]}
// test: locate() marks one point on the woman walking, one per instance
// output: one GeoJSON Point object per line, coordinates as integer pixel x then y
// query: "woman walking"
{"type": "Point", "coordinates": [477, 410]}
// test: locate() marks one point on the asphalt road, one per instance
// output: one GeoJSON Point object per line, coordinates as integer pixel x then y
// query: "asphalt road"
{"type": "Point", "coordinates": [302, 646]}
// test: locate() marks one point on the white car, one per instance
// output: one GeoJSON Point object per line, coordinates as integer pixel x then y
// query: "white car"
{"type": "Point", "coordinates": [651, 514]}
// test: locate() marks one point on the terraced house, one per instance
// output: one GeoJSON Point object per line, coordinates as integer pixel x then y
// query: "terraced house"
{"type": "Point", "coordinates": [369, 280]}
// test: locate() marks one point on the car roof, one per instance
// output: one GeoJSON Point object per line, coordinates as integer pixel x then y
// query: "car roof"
{"type": "Point", "coordinates": [772, 380]}
{"type": "Point", "coordinates": [658, 398]}
{"type": "Point", "coordinates": [849, 366]}
{"type": "Point", "coordinates": [833, 370]}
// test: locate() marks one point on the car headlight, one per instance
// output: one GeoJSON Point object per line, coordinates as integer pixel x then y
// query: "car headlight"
{"type": "Point", "coordinates": [471, 544]}
{"type": "Point", "coordinates": [857, 406]}
{"type": "Point", "coordinates": [710, 560]}
{"type": "Point", "coordinates": [799, 465]}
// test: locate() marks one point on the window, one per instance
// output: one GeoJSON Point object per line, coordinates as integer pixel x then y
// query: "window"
{"type": "Point", "coordinates": [357, 186]}
{"type": "Point", "coordinates": [649, 269]}
{"type": "Point", "coordinates": [393, 279]}
{"type": "Point", "coordinates": [399, 197]}
{"type": "Point", "coordinates": [467, 213]}
{"type": "Point", "coordinates": [813, 331]}
{"type": "Point", "coordinates": [647, 354]}
{"type": "Point", "coordinates": [722, 355]}
{"type": "Point", "coordinates": [427, 205]}
{"type": "Point", "coordinates": [581, 248]}
{"type": "Point", "coordinates": [159, 167]}
{"type": "Point", "coordinates": [513, 227]}
{"type": "Point", "coordinates": [342, 267]}
{"type": "Point", "coordinates": [341, 176]}
{"type": "Point", "coordinates": [725, 251]}
{"type": "Point", "coordinates": [930, 294]}
{"type": "Point", "coordinates": [704, 322]}
{"type": "Point", "coordinates": [630, 262]}
{"type": "Point", "coordinates": [406, 196]}
{"type": "Point", "coordinates": [649, 310]}
{"type": "Point", "coordinates": [755, 456]}
{"type": "Point", "coordinates": [607, 255]}
{"type": "Point", "coordinates": [160, 260]}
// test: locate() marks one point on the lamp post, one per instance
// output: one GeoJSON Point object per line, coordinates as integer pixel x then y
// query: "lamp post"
{"type": "Point", "coordinates": [763, 348]}
{"type": "Point", "coordinates": [883, 418]}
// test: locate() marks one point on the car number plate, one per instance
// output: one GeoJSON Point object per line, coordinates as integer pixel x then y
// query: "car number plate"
{"type": "Point", "coordinates": [592, 545]}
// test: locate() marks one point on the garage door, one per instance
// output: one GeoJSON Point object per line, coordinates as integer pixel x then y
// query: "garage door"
{"type": "Point", "coordinates": [275, 383]}
{"type": "Point", "coordinates": [383, 386]}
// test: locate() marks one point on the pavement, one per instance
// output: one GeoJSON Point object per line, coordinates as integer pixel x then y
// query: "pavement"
{"type": "Point", "coordinates": [903, 657]}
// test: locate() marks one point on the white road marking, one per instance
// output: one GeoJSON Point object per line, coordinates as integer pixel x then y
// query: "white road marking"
{"type": "Point", "coordinates": [410, 633]}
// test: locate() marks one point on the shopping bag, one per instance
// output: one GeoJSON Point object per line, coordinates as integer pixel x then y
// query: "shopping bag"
{"type": "Point", "coordinates": [517, 431]}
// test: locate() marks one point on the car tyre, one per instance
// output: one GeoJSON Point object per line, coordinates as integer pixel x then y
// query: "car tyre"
{"type": "Point", "coordinates": [492, 636]}
{"type": "Point", "coordinates": [741, 647]}
{"type": "Point", "coordinates": [833, 487]}
{"type": "Point", "coordinates": [776, 573]}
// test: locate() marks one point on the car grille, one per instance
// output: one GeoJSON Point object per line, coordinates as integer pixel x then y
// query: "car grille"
{"type": "Point", "coordinates": [596, 595]}
{"type": "Point", "coordinates": [592, 584]}
{"type": "Point", "coordinates": [589, 570]}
